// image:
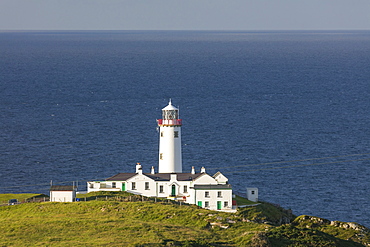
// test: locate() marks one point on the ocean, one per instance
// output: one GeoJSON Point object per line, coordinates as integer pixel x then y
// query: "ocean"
{"type": "Point", "coordinates": [286, 112]}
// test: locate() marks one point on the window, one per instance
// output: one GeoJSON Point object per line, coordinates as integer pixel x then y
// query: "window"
{"type": "Point", "coordinates": [91, 185]}
{"type": "Point", "coordinates": [133, 186]}
{"type": "Point", "coordinates": [226, 204]}
{"type": "Point", "coordinates": [113, 184]}
{"type": "Point", "coordinates": [176, 134]}
{"type": "Point", "coordinates": [162, 133]}
{"type": "Point", "coordinates": [206, 204]}
{"type": "Point", "coordinates": [147, 185]}
{"type": "Point", "coordinates": [206, 194]}
{"type": "Point", "coordinates": [161, 189]}
{"type": "Point", "coordinates": [219, 193]}
{"type": "Point", "coordinates": [185, 189]}
{"type": "Point", "coordinates": [252, 192]}
{"type": "Point", "coordinates": [161, 156]}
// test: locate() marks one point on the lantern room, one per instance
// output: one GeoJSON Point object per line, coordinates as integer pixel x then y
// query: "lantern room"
{"type": "Point", "coordinates": [170, 116]}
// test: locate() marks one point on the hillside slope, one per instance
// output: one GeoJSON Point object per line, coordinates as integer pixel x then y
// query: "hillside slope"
{"type": "Point", "coordinates": [119, 223]}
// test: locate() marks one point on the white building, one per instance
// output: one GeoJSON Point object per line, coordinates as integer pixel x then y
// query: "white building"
{"type": "Point", "coordinates": [62, 193]}
{"type": "Point", "coordinates": [211, 192]}
{"type": "Point", "coordinates": [252, 194]}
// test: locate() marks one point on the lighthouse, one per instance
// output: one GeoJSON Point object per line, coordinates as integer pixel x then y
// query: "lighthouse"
{"type": "Point", "coordinates": [199, 188]}
{"type": "Point", "coordinates": [170, 158]}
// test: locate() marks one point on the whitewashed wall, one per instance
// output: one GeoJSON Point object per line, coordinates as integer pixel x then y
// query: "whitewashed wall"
{"type": "Point", "coordinates": [62, 196]}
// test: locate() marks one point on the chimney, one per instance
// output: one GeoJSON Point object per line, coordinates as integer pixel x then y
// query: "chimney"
{"type": "Point", "coordinates": [173, 177]}
{"type": "Point", "coordinates": [152, 171]}
{"type": "Point", "coordinates": [192, 170]}
{"type": "Point", "coordinates": [139, 169]}
{"type": "Point", "coordinates": [203, 170]}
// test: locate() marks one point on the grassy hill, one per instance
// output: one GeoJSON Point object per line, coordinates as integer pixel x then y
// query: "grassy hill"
{"type": "Point", "coordinates": [4, 198]}
{"type": "Point", "coordinates": [115, 221]}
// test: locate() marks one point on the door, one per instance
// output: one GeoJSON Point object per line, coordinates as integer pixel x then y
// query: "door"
{"type": "Point", "coordinates": [219, 205]}
{"type": "Point", "coordinates": [199, 203]}
{"type": "Point", "coordinates": [173, 190]}
{"type": "Point", "coordinates": [123, 186]}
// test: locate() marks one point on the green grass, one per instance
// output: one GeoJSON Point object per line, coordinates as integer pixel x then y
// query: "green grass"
{"type": "Point", "coordinates": [4, 198]}
{"type": "Point", "coordinates": [99, 223]}
{"type": "Point", "coordinates": [243, 201]}
{"type": "Point", "coordinates": [107, 219]}
{"type": "Point", "coordinates": [266, 213]}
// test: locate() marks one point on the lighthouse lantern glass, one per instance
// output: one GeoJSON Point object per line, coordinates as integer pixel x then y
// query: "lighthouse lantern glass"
{"type": "Point", "coordinates": [170, 114]}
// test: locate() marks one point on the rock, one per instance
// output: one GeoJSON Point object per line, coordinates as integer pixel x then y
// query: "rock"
{"type": "Point", "coordinates": [314, 221]}
{"type": "Point", "coordinates": [213, 224]}
{"type": "Point", "coordinates": [349, 225]}
{"type": "Point", "coordinates": [260, 240]}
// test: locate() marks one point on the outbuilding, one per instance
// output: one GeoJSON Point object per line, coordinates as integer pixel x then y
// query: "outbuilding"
{"type": "Point", "coordinates": [62, 193]}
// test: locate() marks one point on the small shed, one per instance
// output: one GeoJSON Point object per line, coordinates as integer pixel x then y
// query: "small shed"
{"type": "Point", "coordinates": [62, 193]}
{"type": "Point", "coordinates": [252, 194]}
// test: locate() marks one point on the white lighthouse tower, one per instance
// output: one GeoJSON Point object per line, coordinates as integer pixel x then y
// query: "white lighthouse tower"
{"type": "Point", "coordinates": [170, 158]}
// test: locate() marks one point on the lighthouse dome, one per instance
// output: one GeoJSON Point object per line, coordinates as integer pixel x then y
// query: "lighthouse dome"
{"type": "Point", "coordinates": [169, 107]}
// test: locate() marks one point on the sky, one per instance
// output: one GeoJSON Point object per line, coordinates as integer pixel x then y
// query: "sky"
{"type": "Point", "coordinates": [184, 15]}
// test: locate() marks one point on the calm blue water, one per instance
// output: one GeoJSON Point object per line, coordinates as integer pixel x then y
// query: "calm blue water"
{"type": "Point", "coordinates": [83, 106]}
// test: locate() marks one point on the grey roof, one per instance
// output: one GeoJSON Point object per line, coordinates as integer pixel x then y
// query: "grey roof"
{"type": "Point", "coordinates": [167, 176]}
{"type": "Point", "coordinates": [217, 174]}
{"type": "Point", "coordinates": [156, 176]}
{"type": "Point", "coordinates": [62, 188]}
{"type": "Point", "coordinates": [121, 177]}
{"type": "Point", "coordinates": [212, 186]}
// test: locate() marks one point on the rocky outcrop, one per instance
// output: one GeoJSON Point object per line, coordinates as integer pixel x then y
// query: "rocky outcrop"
{"type": "Point", "coordinates": [354, 231]}
{"type": "Point", "coordinates": [350, 225]}
{"type": "Point", "coordinates": [260, 239]}
{"type": "Point", "coordinates": [313, 221]}
{"type": "Point", "coordinates": [310, 221]}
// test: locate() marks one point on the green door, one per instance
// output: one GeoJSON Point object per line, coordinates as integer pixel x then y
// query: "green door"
{"type": "Point", "coordinates": [123, 186]}
{"type": "Point", "coordinates": [199, 203]}
{"type": "Point", "coordinates": [219, 205]}
{"type": "Point", "coordinates": [173, 190]}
